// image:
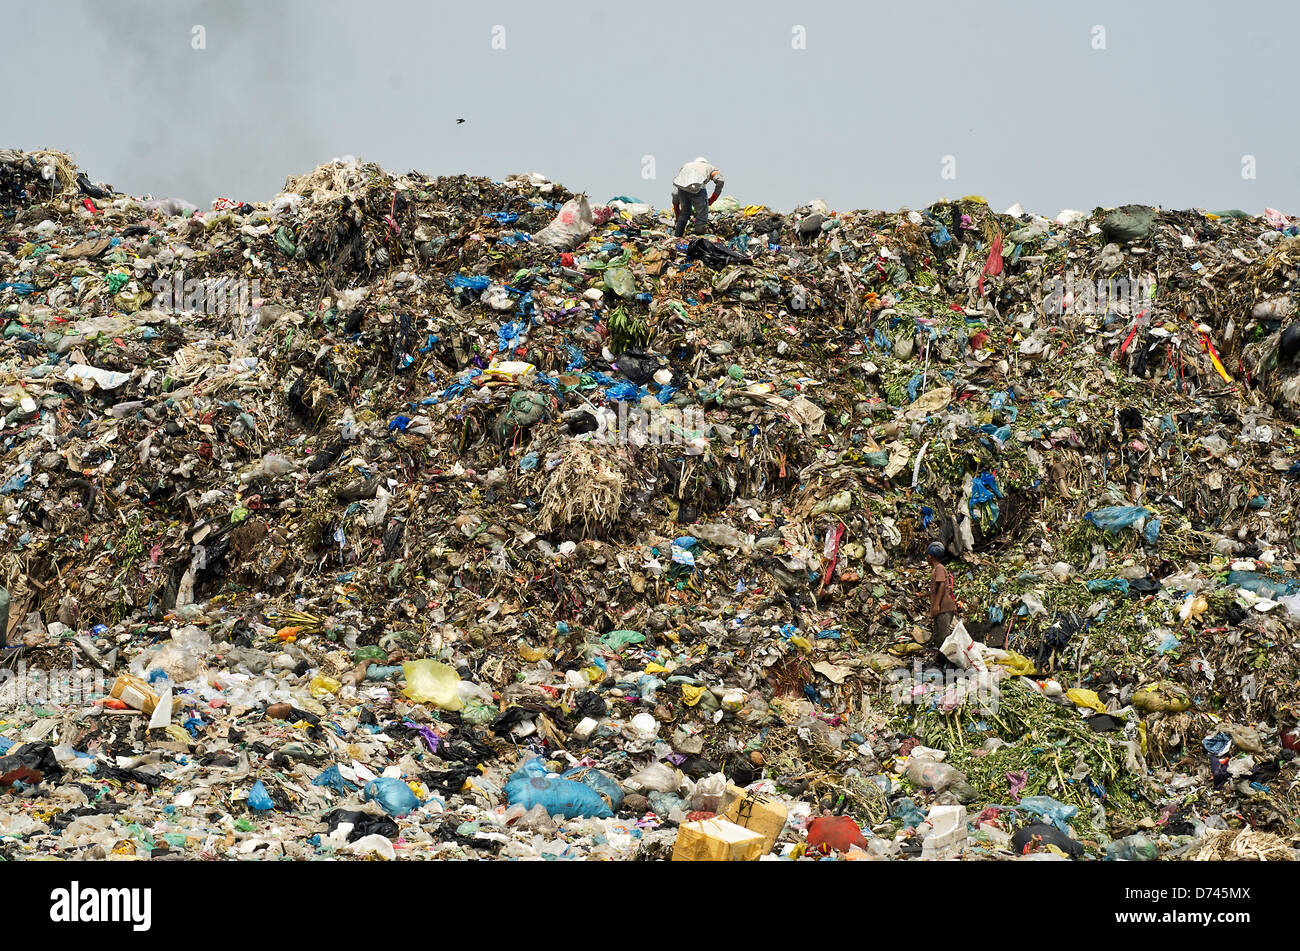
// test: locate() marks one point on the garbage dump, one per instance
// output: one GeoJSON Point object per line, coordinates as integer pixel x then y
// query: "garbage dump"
{"type": "Point", "coordinates": [408, 517]}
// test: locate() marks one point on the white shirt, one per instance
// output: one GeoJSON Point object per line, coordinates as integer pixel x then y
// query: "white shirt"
{"type": "Point", "coordinates": [694, 175]}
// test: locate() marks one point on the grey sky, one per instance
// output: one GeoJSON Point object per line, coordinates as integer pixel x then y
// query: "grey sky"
{"type": "Point", "coordinates": [862, 117]}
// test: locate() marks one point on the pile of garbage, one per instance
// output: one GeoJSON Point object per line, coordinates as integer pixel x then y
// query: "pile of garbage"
{"type": "Point", "coordinates": [441, 517]}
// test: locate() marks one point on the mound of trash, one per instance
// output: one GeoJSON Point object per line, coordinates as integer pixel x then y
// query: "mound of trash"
{"type": "Point", "coordinates": [404, 516]}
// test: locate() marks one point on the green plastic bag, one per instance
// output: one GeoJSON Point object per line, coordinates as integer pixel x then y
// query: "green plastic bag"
{"type": "Point", "coordinates": [1130, 223]}
{"type": "Point", "coordinates": [285, 241]}
{"type": "Point", "coordinates": [617, 640]}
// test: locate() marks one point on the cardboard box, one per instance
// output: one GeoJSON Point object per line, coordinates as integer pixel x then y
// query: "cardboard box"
{"type": "Point", "coordinates": [756, 812]}
{"type": "Point", "coordinates": [716, 840]}
{"type": "Point", "coordinates": [135, 693]}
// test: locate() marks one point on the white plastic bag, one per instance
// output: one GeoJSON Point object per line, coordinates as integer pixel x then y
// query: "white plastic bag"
{"type": "Point", "coordinates": [657, 777]}
{"type": "Point", "coordinates": [571, 225]}
{"type": "Point", "coordinates": [89, 378]}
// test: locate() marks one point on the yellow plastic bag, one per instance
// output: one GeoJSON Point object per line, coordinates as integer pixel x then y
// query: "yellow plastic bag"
{"type": "Point", "coordinates": [322, 685]}
{"type": "Point", "coordinates": [1085, 698]}
{"type": "Point", "coordinates": [1018, 664]}
{"type": "Point", "coordinates": [1161, 697]}
{"type": "Point", "coordinates": [530, 653]}
{"type": "Point", "coordinates": [428, 681]}
{"type": "Point", "coordinates": [691, 694]}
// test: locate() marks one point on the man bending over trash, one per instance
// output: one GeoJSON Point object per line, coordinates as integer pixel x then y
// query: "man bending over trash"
{"type": "Point", "coordinates": [943, 605]}
{"type": "Point", "coordinates": [690, 196]}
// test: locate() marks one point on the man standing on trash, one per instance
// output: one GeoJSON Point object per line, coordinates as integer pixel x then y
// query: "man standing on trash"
{"type": "Point", "coordinates": [690, 196]}
{"type": "Point", "coordinates": [943, 604]}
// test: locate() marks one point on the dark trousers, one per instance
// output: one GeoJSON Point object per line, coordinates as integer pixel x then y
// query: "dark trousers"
{"type": "Point", "coordinates": [689, 204]}
{"type": "Point", "coordinates": [942, 627]}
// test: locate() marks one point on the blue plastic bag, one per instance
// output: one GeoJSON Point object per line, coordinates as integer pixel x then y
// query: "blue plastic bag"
{"type": "Point", "coordinates": [1116, 518]}
{"type": "Point", "coordinates": [1053, 810]}
{"type": "Point", "coordinates": [1151, 533]}
{"type": "Point", "coordinates": [907, 810]}
{"type": "Point", "coordinates": [605, 785]}
{"type": "Point", "coordinates": [625, 391]}
{"type": "Point", "coordinates": [393, 795]}
{"type": "Point", "coordinates": [529, 786]}
{"type": "Point", "coordinates": [510, 335]}
{"type": "Point", "coordinates": [984, 488]}
{"type": "Point", "coordinates": [479, 282]}
{"type": "Point", "coordinates": [332, 779]}
{"type": "Point", "coordinates": [1217, 744]}
{"type": "Point", "coordinates": [259, 798]}
{"type": "Point", "coordinates": [1262, 585]}
{"type": "Point", "coordinates": [1108, 585]}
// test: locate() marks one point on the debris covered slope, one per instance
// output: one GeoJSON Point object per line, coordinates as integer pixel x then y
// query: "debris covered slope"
{"type": "Point", "coordinates": [399, 497]}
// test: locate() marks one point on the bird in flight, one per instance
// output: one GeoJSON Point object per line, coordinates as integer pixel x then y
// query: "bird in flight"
{"type": "Point", "coordinates": [460, 121]}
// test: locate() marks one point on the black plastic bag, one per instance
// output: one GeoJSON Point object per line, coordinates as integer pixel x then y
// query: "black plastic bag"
{"type": "Point", "coordinates": [715, 255]}
{"type": "Point", "coordinates": [1047, 835]}
{"type": "Point", "coordinates": [590, 704]}
{"type": "Point", "coordinates": [32, 763]}
{"type": "Point", "coordinates": [363, 824]}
